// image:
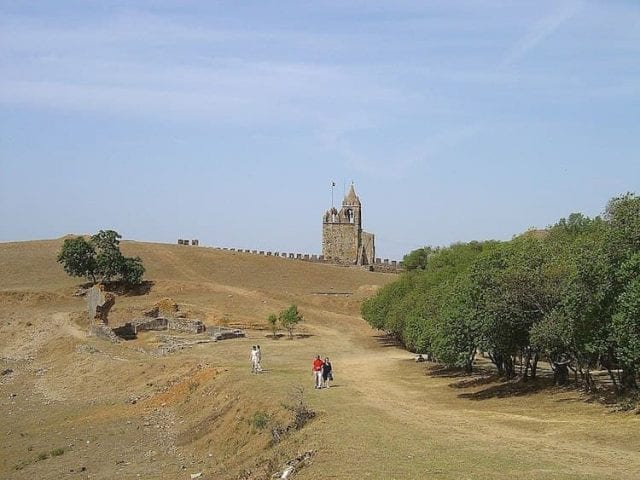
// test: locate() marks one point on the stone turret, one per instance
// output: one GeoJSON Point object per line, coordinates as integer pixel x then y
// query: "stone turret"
{"type": "Point", "coordinates": [343, 240]}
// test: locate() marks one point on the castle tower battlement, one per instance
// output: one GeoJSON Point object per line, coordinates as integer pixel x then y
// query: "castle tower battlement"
{"type": "Point", "coordinates": [343, 240]}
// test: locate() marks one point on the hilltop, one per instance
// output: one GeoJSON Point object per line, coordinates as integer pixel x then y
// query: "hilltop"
{"type": "Point", "coordinates": [80, 407]}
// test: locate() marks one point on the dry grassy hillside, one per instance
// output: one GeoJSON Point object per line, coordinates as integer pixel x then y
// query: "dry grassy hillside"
{"type": "Point", "coordinates": [79, 407]}
{"type": "Point", "coordinates": [62, 380]}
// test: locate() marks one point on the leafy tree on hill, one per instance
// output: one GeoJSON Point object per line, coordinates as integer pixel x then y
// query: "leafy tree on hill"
{"type": "Point", "coordinates": [132, 270]}
{"type": "Point", "coordinates": [100, 257]}
{"type": "Point", "coordinates": [78, 258]}
{"type": "Point", "coordinates": [417, 259]}
{"type": "Point", "coordinates": [289, 318]}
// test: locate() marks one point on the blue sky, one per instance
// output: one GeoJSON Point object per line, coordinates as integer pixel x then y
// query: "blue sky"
{"type": "Point", "coordinates": [228, 121]}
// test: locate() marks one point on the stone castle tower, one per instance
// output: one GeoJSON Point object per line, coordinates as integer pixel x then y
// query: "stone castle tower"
{"type": "Point", "coordinates": [343, 240]}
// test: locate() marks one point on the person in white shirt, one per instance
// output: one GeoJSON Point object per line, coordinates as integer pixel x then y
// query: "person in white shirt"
{"type": "Point", "coordinates": [254, 359]}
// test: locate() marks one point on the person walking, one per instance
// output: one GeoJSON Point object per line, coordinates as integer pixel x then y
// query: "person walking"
{"type": "Point", "coordinates": [316, 368]}
{"type": "Point", "coordinates": [254, 359]}
{"type": "Point", "coordinates": [258, 359]}
{"type": "Point", "coordinates": [327, 374]}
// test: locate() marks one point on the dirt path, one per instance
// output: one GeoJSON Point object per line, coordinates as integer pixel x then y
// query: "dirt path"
{"type": "Point", "coordinates": [401, 423]}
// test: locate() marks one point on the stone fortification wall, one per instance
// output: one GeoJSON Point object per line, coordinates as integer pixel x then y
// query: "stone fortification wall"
{"type": "Point", "coordinates": [368, 248]}
{"type": "Point", "coordinates": [195, 242]}
{"type": "Point", "coordinates": [379, 265]}
{"type": "Point", "coordinates": [340, 242]}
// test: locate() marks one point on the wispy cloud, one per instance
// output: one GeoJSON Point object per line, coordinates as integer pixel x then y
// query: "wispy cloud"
{"type": "Point", "coordinates": [541, 30]}
{"type": "Point", "coordinates": [148, 66]}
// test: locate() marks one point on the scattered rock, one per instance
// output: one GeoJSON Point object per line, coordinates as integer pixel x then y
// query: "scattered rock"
{"type": "Point", "coordinates": [223, 333]}
{"type": "Point", "coordinates": [7, 371]}
{"type": "Point", "coordinates": [294, 465]}
{"type": "Point", "coordinates": [104, 332]}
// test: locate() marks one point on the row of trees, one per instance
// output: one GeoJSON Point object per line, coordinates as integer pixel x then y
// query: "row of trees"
{"type": "Point", "coordinates": [569, 294]}
{"type": "Point", "coordinates": [99, 259]}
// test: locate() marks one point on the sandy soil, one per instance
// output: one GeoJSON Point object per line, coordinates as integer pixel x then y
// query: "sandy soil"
{"type": "Point", "coordinates": [78, 407]}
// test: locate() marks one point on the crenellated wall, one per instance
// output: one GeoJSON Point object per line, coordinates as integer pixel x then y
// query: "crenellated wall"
{"type": "Point", "coordinates": [375, 264]}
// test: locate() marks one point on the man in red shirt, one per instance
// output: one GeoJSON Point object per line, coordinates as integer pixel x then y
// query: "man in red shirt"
{"type": "Point", "coordinates": [317, 371]}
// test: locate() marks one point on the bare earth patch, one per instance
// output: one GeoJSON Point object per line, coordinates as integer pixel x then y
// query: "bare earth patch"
{"type": "Point", "coordinates": [117, 411]}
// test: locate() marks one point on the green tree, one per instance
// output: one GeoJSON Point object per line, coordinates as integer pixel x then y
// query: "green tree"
{"type": "Point", "coordinates": [111, 262]}
{"type": "Point", "coordinates": [456, 339]}
{"type": "Point", "coordinates": [289, 318]}
{"type": "Point", "coordinates": [570, 294]}
{"type": "Point", "coordinates": [623, 250]}
{"type": "Point", "coordinates": [272, 319]}
{"type": "Point", "coordinates": [78, 258]}
{"type": "Point", "coordinates": [417, 259]}
{"type": "Point", "coordinates": [132, 270]}
{"type": "Point", "coordinates": [100, 256]}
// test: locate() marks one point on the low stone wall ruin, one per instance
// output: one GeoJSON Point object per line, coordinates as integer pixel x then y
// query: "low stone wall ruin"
{"type": "Point", "coordinates": [103, 332]}
{"type": "Point", "coordinates": [146, 324]}
{"type": "Point", "coordinates": [186, 326]}
{"type": "Point", "coordinates": [131, 329]}
{"type": "Point", "coordinates": [224, 333]}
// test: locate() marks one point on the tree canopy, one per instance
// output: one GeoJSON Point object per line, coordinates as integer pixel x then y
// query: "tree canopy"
{"type": "Point", "coordinates": [289, 318]}
{"type": "Point", "coordinates": [99, 259]}
{"type": "Point", "coordinates": [569, 294]}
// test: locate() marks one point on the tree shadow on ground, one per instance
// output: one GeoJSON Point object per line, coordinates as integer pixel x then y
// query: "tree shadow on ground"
{"type": "Point", "coordinates": [124, 289]}
{"type": "Point", "coordinates": [511, 388]}
{"type": "Point", "coordinates": [286, 336]}
{"type": "Point", "coordinates": [496, 386]}
{"type": "Point", "coordinates": [439, 371]}
{"type": "Point", "coordinates": [302, 335]}
{"type": "Point", "coordinates": [387, 341]}
{"type": "Point", "coordinates": [476, 381]}
{"type": "Point", "coordinates": [604, 395]}
{"type": "Point", "coordinates": [500, 387]}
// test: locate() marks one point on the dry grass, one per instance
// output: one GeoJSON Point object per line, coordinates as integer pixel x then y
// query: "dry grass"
{"type": "Point", "coordinates": [118, 411]}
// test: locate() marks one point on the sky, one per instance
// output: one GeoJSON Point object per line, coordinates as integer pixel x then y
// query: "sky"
{"type": "Point", "coordinates": [229, 121]}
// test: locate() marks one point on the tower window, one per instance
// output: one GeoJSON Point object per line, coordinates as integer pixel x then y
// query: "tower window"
{"type": "Point", "coordinates": [350, 215]}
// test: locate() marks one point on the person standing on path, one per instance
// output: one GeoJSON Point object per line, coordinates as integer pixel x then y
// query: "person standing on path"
{"type": "Point", "coordinates": [317, 371]}
{"type": "Point", "coordinates": [327, 374]}
{"type": "Point", "coordinates": [258, 359]}
{"type": "Point", "coordinates": [254, 359]}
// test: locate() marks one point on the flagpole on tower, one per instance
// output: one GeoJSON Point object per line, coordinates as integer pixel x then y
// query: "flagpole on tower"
{"type": "Point", "coordinates": [333, 184]}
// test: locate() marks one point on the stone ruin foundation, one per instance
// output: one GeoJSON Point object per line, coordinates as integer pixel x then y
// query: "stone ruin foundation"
{"type": "Point", "coordinates": [130, 330]}
{"type": "Point", "coordinates": [99, 303]}
{"type": "Point", "coordinates": [165, 315]}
